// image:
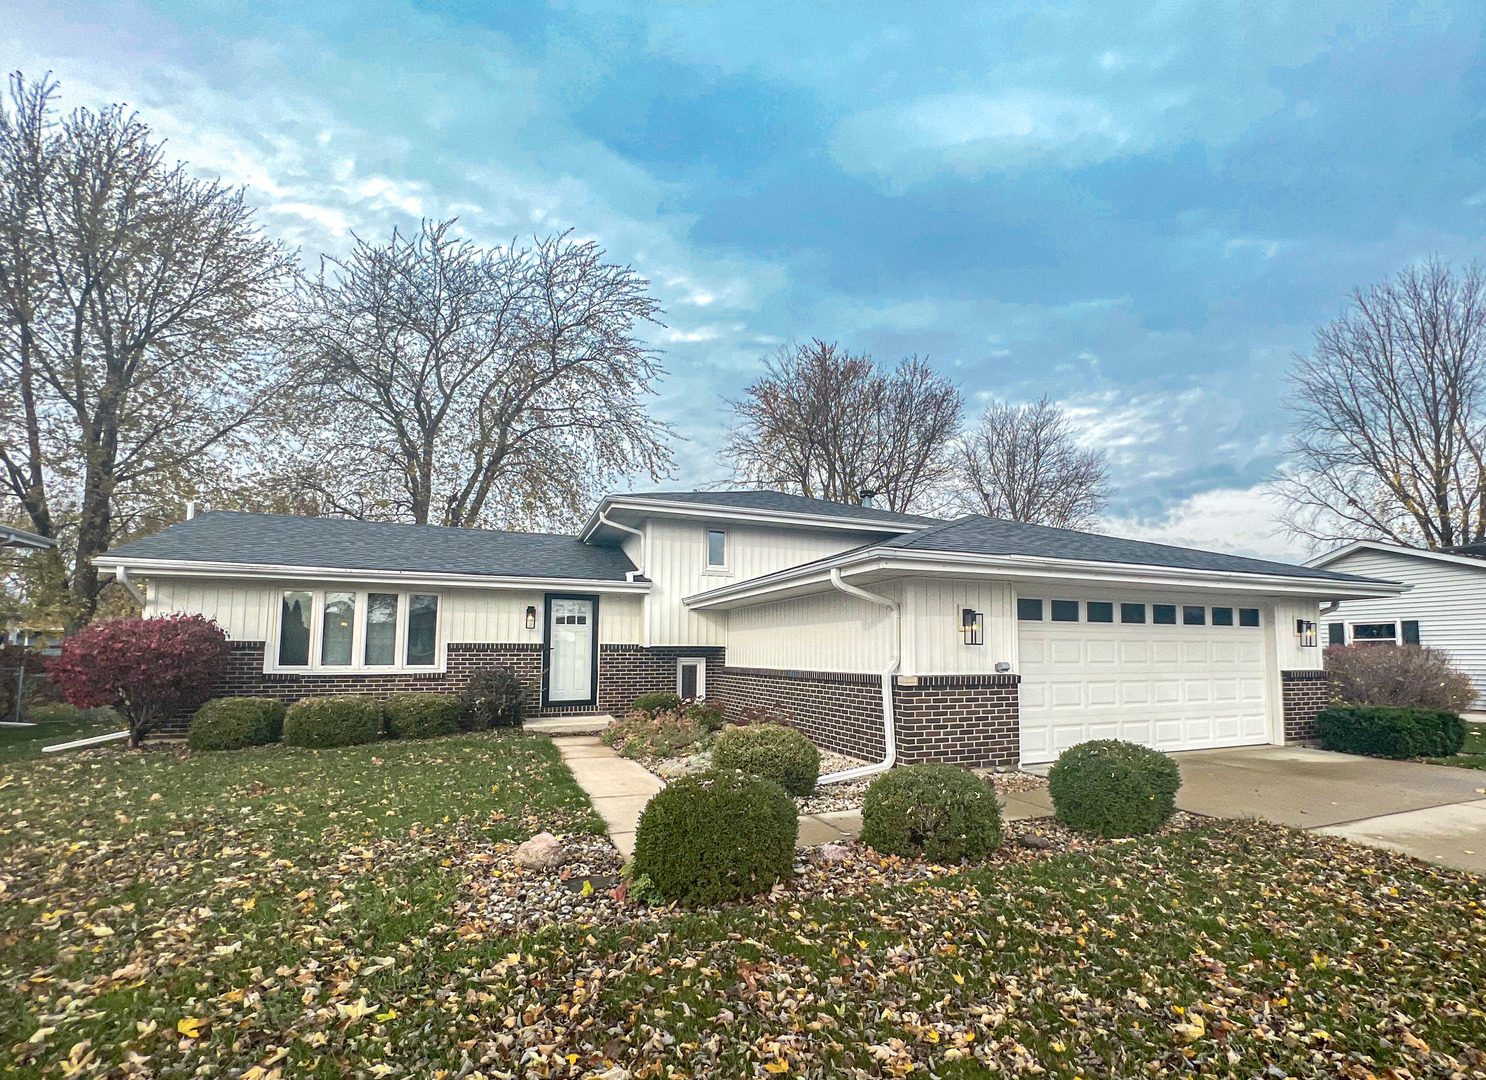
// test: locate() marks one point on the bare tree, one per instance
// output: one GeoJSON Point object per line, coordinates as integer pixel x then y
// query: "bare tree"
{"type": "Point", "coordinates": [460, 385]}
{"type": "Point", "coordinates": [1022, 463]}
{"type": "Point", "coordinates": [830, 425]}
{"type": "Point", "coordinates": [136, 304]}
{"type": "Point", "coordinates": [1389, 416]}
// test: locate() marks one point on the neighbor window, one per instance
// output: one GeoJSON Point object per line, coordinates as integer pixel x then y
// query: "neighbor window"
{"type": "Point", "coordinates": [1222, 616]}
{"type": "Point", "coordinates": [1193, 615]}
{"type": "Point", "coordinates": [717, 549]}
{"type": "Point", "coordinates": [1163, 614]}
{"type": "Point", "coordinates": [1028, 609]}
{"type": "Point", "coordinates": [1248, 616]}
{"type": "Point", "coordinates": [1101, 611]}
{"type": "Point", "coordinates": [1065, 611]}
{"type": "Point", "coordinates": [1375, 633]}
{"type": "Point", "coordinates": [1132, 613]}
{"type": "Point", "coordinates": [342, 629]}
{"type": "Point", "coordinates": [294, 629]}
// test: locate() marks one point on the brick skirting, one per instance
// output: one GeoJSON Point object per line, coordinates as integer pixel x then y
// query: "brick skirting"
{"type": "Point", "coordinates": [1304, 695]}
{"type": "Point", "coordinates": [968, 720]}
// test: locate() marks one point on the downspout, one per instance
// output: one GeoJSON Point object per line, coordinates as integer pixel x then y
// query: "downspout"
{"type": "Point", "coordinates": [644, 544]}
{"type": "Point", "coordinates": [121, 575]}
{"type": "Point", "coordinates": [889, 674]}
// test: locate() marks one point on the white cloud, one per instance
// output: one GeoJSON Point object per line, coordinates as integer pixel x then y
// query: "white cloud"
{"type": "Point", "coordinates": [1241, 521]}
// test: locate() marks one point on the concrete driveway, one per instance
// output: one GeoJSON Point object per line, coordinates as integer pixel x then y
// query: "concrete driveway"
{"type": "Point", "coordinates": [1432, 812]}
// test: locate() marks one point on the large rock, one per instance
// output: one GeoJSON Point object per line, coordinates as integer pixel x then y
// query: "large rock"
{"type": "Point", "coordinates": [542, 852]}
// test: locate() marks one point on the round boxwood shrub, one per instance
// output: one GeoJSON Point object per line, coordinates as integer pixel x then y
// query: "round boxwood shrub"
{"type": "Point", "coordinates": [934, 811]}
{"type": "Point", "coordinates": [715, 836]}
{"type": "Point", "coordinates": [333, 721]}
{"type": "Point", "coordinates": [1113, 788]}
{"type": "Point", "coordinates": [235, 722]}
{"type": "Point", "coordinates": [493, 698]}
{"type": "Point", "coordinates": [772, 751]}
{"type": "Point", "coordinates": [422, 716]}
{"type": "Point", "coordinates": [657, 701]}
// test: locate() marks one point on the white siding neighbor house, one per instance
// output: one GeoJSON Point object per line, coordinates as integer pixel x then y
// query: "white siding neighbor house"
{"type": "Point", "coordinates": [1444, 607]}
{"type": "Point", "coordinates": [884, 636]}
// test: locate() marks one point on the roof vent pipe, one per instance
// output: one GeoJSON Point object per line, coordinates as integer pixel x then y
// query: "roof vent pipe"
{"type": "Point", "coordinates": [190, 509]}
{"type": "Point", "coordinates": [889, 673]}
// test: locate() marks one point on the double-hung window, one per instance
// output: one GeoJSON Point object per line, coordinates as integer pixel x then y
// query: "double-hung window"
{"type": "Point", "coordinates": [355, 630]}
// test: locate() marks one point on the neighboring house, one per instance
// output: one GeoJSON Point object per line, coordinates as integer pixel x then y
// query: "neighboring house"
{"type": "Point", "coordinates": [980, 641]}
{"type": "Point", "coordinates": [14, 632]}
{"type": "Point", "coordinates": [1444, 607]}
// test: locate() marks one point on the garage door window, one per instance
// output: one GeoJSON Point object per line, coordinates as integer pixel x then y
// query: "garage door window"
{"type": "Point", "coordinates": [1222, 616]}
{"type": "Point", "coordinates": [1028, 609]}
{"type": "Point", "coordinates": [1065, 611]}
{"type": "Point", "coordinates": [1193, 615]}
{"type": "Point", "coordinates": [1132, 613]}
{"type": "Point", "coordinates": [1100, 611]}
{"type": "Point", "coordinates": [1248, 616]}
{"type": "Point", "coordinates": [1163, 614]}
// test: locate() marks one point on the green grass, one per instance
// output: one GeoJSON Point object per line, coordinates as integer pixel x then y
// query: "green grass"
{"type": "Point", "coordinates": [234, 914]}
{"type": "Point", "coordinates": [17, 744]}
{"type": "Point", "coordinates": [1472, 755]}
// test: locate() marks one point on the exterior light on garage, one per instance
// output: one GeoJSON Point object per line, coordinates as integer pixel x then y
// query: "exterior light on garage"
{"type": "Point", "coordinates": [531, 616]}
{"type": "Point", "coordinates": [972, 625]}
{"type": "Point", "coordinates": [1305, 629]}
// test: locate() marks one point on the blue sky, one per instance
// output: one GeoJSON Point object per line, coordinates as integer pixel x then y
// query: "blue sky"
{"type": "Point", "coordinates": [1142, 211]}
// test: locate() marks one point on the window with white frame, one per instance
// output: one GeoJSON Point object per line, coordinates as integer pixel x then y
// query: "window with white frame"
{"type": "Point", "coordinates": [717, 549]}
{"type": "Point", "coordinates": [355, 630]}
{"type": "Point", "coordinates": [691, 677]}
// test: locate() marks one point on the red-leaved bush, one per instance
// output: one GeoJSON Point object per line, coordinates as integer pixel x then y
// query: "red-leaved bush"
{"type": "Point", "coordinates": [147, 669]}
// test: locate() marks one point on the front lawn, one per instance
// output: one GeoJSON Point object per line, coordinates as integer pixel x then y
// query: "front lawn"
{"type": "Point", "coordinates": [1473, 754]}
{"type": "Point", "coordinates": [278, 912]}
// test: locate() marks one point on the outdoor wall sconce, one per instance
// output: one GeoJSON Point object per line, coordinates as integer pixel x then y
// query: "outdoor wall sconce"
{"type": "Point", "coordinates": [972, 626]}
{"type": "Point", "coordinates": [531, 617]}
{"type": "Point", "coordinates": [1305, 629]}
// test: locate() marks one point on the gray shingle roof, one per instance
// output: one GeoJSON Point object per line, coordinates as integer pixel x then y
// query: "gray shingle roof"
{"type": "Point", "coordinates": [782, 502]}
{"type": "Point", "coordinates": [284, 540]}
{"type": "Point", "coordinates": [978, 535]}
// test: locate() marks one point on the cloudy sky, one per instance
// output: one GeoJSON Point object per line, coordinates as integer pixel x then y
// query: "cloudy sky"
{"type": "Point", "coordinates": [1142, 211]}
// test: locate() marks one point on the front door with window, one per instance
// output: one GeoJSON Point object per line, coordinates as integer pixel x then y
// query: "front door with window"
{"type": "Point", "coordinates": [570, 649]}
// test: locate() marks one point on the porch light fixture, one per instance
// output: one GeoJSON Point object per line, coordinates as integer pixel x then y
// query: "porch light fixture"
{"type": "Point", "coordinates": [1305, 629]}
{"type": "Point", "coordinates": [972, 626]}
{"type": "Point", "coordinates": [531, 617]}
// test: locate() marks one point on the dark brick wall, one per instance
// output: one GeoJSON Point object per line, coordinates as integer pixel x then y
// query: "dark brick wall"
{"type": "Point", "coordinates": [967, 720]}
{"type": "Point", "coordinates": [627, 671]}
{"type": "Point", "coordinates": [1304, 695]}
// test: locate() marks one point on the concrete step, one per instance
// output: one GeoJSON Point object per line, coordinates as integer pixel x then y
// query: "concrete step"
{"type": "Point", "coordinates": [569, 725]}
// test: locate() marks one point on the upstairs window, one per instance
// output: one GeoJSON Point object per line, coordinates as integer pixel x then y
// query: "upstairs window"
{"type": "Point", "coordinates": [717, 549]}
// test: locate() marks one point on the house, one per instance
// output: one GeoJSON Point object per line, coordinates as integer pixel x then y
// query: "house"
{"type": "Point", "coordinates": [977, 641]}
{"type": "Point", "coordinates": [1444, 607]}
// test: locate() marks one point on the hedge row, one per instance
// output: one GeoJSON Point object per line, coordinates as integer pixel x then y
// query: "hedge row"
{"type": "Point", "coordinates": [1383, 731]}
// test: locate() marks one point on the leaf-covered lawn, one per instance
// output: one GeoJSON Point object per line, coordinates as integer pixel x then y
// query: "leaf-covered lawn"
{"type": "Point", "coordinates": [18, 743]}
{"type": "Point", "coordinates": [280, 912]}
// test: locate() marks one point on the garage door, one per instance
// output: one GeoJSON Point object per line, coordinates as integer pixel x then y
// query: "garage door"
{"type": "Point", "coordinates": [1171, 687]}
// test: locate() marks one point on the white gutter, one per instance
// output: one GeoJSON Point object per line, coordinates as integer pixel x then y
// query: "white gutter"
{"type": "Point", "coordinates": [121, 575]}
{"type": "Point", "coordinates": [644, 544]}
{"type": "Point", "coordinates": [276, 572]}
{"type": "Point", "coordinates": [889, 673]}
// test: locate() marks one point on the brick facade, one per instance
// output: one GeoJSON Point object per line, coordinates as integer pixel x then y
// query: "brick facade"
{"type": "Point", "coordinates": [968, 720]}
{"type": "Point", "coordinates": [1304, 694]}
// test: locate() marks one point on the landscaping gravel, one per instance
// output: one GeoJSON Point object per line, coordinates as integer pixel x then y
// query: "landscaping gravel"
{"type": "Point", "coordinates": [505, 898]}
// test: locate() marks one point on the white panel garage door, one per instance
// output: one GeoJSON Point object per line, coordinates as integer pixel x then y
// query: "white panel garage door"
{"type": "Point", "coordinates": [1171, 687]}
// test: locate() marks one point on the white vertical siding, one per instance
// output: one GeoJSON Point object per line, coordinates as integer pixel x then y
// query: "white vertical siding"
{"type": "Point", "coordinates": [677, 555]}
{"type": "Point", "coordinates": [1290, 654]}
{"type": "Point", "coordinates": [824, 632]}
{"type": "Point", "coordinates": [932, 641]}
{"type": "Point", "coordinates": [487, 616]}
{"type": "Point", "coordinates": [242, 610]}
{"type": "Point", "coordinates": [1447, 599]}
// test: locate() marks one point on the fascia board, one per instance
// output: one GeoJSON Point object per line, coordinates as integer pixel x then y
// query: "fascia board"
{"type": "Point", "coordinates": [660, 508]}
{"type": "Point", "coordinates": [258, 572]}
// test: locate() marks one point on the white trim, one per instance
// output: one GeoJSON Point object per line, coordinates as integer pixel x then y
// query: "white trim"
{"type": "Point", "coordinates": [1474, 562]}
{"type": "Point", "coordinates": [358, 665]}
{"type": "Point", "coordinates": [397, 578]}
{"type": "Point", "coordinates": [708, 566]}
{"type": "Point", "coordinates": [815, 577]}
{"type": "Point", "coordinates": [700, 663]}
{"type": "Point", "coordinates": [661, 508]}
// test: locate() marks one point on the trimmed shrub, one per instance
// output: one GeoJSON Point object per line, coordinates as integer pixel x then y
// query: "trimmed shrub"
{"type": "Point", "coordinates": [772, 751]}
{"type": "Point", "coordinates": [1112, 788]}
{"type": "Point", "coordinates": [934, 811]}
{"type": "Point", "coordinates": [56, 712]}
{"type": "Point", "coordinates": [714, 836]}
{"type": "Point", "coordinates": [493, 698]}
{"type": "Point", "coordinates": [656, 702]}
{"type": "Point", "coordinates": [422, 716]}
{"type": "Point", "coordinates": [333, 721]}
{"type": "Point", "coordinates": [1376, 731]}
{"type": "Point", "coordinates": [1403, 676]}
{"type": "Point", "coordinates": [235, 722]}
